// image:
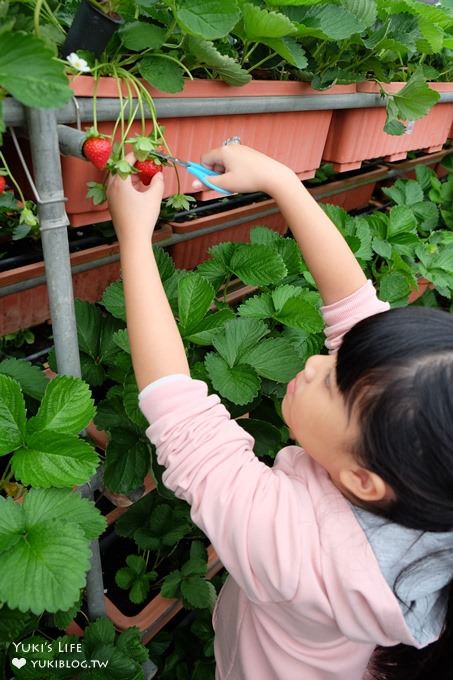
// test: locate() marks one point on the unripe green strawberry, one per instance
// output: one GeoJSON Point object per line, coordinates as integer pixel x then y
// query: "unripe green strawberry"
{"type": "Point", "coordinates": [147, 170]}
{"type": "Point", "coordinates": [98, 151]}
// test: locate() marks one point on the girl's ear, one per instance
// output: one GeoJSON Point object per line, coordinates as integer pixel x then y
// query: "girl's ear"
{"type": "Point", "coordinates": [364, 484]}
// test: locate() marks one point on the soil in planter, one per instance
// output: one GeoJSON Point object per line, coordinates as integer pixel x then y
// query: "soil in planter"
{"type": "Point", "coordinates": [27, 251]}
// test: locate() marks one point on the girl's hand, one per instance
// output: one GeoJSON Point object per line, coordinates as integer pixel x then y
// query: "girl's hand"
{"type": "Point", "coordinates": [245, 170]}
{"type": "Point", "coordinates": [134, 207]}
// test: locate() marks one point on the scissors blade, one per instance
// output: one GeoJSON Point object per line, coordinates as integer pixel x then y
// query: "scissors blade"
{"type": "Point", "coordinates": [172, 159]}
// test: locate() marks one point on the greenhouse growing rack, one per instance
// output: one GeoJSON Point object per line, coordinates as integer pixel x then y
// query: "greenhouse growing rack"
{"type": "Point", "coordinates": [49, 135]}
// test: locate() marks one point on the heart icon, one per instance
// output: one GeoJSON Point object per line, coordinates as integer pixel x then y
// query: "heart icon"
{"type": "Point", "coordinates": [18, 662]}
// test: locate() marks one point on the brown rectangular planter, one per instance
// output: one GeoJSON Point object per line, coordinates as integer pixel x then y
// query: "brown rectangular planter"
{"type": "Point", "coordinates": [356, 135]}
{"type": "Point", "coordinates": [294, 138]}
{"type": "Point", "coordinates": [406, 168]}
{"type": "Point", "coordinates": [30, 307]}
{"type": "Point", "coordinates": [350, 197]}
{"type": "Point", "coordinates": [237, 225]}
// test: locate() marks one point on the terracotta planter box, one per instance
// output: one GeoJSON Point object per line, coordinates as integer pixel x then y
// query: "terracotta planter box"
{"type": "Point", "coordinates": [356, 135]}
{"type": "Point", "coordinates": [350, 197]}
{"type": "Point", "coordinates": [30, 307]}
{"type": "Point", "coordinates": [295, 138]}
{"type": "Point", "coordinates": [406, 169]}
{"type": "Point", "coordinates": [238, 223]}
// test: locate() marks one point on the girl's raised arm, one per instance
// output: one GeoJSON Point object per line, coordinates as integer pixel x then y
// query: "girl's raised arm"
{"type": "Point", "coordinates": [156, 345]}
{"type": "Point", "coordinates": [328, 256]}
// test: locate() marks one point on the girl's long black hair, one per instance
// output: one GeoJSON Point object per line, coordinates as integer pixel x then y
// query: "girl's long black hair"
{"type": "Point", "coordinates": [395, 371]}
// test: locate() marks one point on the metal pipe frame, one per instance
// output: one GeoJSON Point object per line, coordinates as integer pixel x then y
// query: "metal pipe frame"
{"type": "Point", "coordinates": [109, 108]}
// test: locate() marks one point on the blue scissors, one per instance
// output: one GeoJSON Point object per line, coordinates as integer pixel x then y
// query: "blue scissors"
{"type": "Point", "coordinates": [196, 169]}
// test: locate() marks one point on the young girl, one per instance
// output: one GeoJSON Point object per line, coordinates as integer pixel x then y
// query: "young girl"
{"type": "Point", "coordinates": [346, 544]}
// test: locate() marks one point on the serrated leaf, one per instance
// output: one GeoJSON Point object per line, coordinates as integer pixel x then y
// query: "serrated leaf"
{"type": "Point", "coordinates": [427, 214]}
{"type": "Point", "coordinates": [258, 265]}
{"type": "Point", "coordinates": [46, 568]}
{"type": "Point", "coordinates": [261, 23]}
{"type": "Point", "coordinates": [139, 590]}
{"type": "Point", "coordinates": [207, 19]}
{"type": "Point", "coordinates": [88, 327]}
{"type": "Point", "coordinates": [274, 358]}
{"type": "Point", "coordinates": [195, 566]}
{"type": "Point", "coordinates": [12, 523]}
{"type": "Point", "coordinates": [214, 271]}
{"type": "Point", "coordinates": [45, 505]}
{"type": "Point", "coordinates": [138, 36]}
{"type": "Point", "coordinates": [164, 263]}
{"type": "Point", "coordinates": [15, 624]}
{"type": "Point", "coordinates": [289, 49]}
{"type": "Point", "coordinates": [54, 459]}
{"type": "Point", "coordinates": [67, 407]}
{"type": "Point", "coordinates": [195, 296]}
{"type": "Point", "coordinates": [100, 632]}
{"type": "Point", "coordinates": [303, 343]}
{"type": "Point", "coordinates": [297, 313]}
{"type": "Point", "coordinates": [336, 22]}
{"type": "Point", "coordinates": [92, 372]}
{"type": "Point", "coordinates": [171, 585]}
{"type": "Point", "coordinates": [197, 592]}
{"type": "Point", "coordinates": [393, 286]}
{"type": "Point", "coordinates": [363, 232]}
{"type": "Point", "coordinates": [12, 415]}
{"type": "Point", "coordinates": [108, 349]}
{"type": "Point", "coordinates": [121, 339]}
{"type": "Point", "coordinates": [257, 307]}
{"type": "Point", "coordinates": [130, 401]}
{"type": "Point", "coordinates": [210, 326]}
{"type": "Point", "coordinates": [364, 10]}
{"type": "Point", "coordinates": [129, 642]}
{"type": "Point", "coordinates": [415, 99]}
{"type": "Point", "coordinates": [238, 336]}
{"type": "Point", "coordinates": [124, 578]}
{"type": "Point", "coordinates": [136, 516]}
{"type": "Point", "coordinates": [226, 68]}
{"type": "Point", "coordinates": [62, 619]}
{"type": "Point", "coordinates": [31, 378]}
{"type": "Point", "coordinates": [113, 300]}
{"type": "Point", "coordinates": [163, 74]}
{"type": "Point", "coordinates": [239, 384]}
{"type": "Point", "coordinates": [29, 72]}
{"type": "Point", "coordinates": [382, 248]}
{"type": "Point", "coordinates": [401, 220]}
{"type": "Point", "coordinates": [127, 461]}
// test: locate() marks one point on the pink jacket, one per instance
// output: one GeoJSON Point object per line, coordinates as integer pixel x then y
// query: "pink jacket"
{"type": "Point", "coordinates": [305, 599]}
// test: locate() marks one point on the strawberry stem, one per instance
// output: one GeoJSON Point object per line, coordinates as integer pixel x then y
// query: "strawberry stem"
{"type": "Point", "coordinates": [10, 175]}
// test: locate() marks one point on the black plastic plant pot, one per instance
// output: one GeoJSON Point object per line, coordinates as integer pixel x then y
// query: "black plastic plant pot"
{"type": "Point", "coordinates": [90, 30]}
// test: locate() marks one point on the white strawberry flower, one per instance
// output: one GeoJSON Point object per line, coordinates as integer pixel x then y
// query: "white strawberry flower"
{"type": "Point", "coordinates": [78, 63]}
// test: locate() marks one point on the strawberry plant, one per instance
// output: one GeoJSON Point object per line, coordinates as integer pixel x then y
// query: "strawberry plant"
{"type": "Point", "coordinates": [43, 457]}
{"type": "Point", "coordinates": [17, 217]}
{"type": "Point", "coordinates": [101, 654]}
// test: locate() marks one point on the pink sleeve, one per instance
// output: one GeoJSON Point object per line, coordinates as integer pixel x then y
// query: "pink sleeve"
{"type": "Point", "coordinates": [341, 316]}
{"type": "Point", "coordinates": [250, 512]}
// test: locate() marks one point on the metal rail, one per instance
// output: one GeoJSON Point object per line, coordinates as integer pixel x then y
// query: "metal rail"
{"type": "Point", "coordinates": [108, 108]}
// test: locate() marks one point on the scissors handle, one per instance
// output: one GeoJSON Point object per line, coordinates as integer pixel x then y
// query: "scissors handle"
{"type": "Point", "coordinates": [201, 173]}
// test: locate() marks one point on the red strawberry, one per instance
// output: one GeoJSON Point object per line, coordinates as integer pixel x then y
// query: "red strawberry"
{"type": "Point", "coordinates": [147, 170]}
{"type": "Point", "coordinates": [2, 184]}
{"type": "Point", "coordinates": [98, 151]}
